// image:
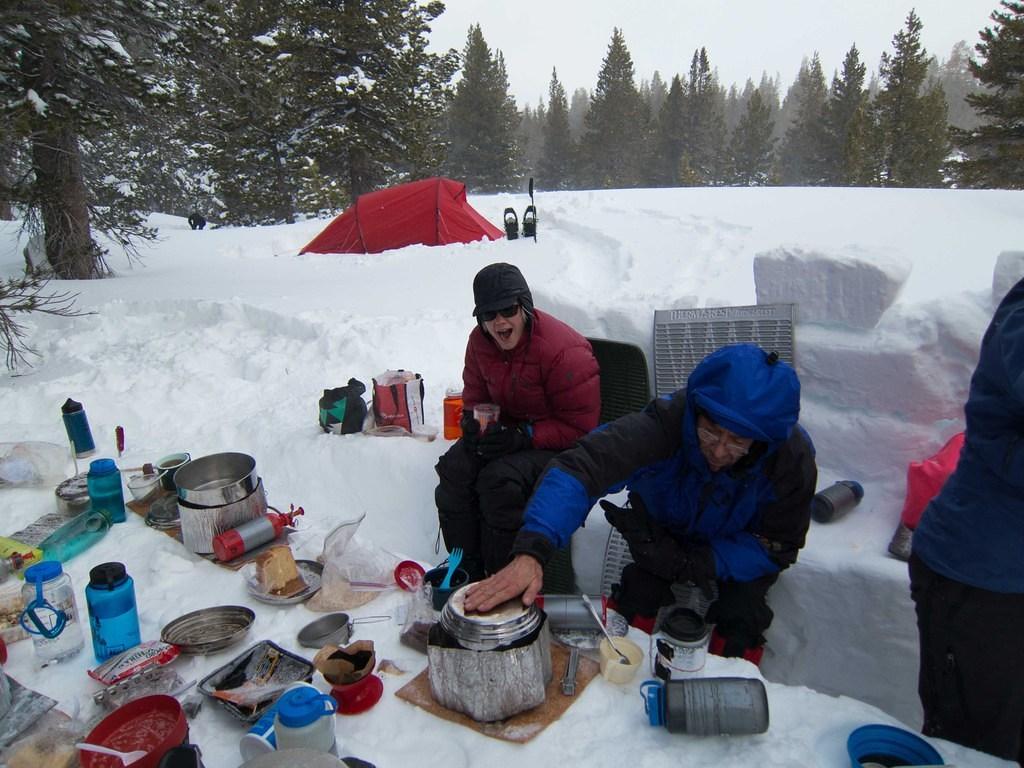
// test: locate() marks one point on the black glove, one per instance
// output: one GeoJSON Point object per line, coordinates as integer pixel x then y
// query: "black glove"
{"type": "Point", "coordinates": [700, 567]}
{"type": "Point", "coordinates": [652, 547]}
{"type": "Point", "coordinates": [470, 431]}
{"type": "Point", "coordinates": [503, 441]}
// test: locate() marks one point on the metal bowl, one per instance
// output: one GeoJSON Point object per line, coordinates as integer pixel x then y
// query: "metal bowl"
{"type": "Point", "coordinates": [217, 479]}
{"type": "Point", "coordinates": [332, 629]}
{"type": "Point", "coordinates": [208, 629]}
{"type": "Point", "coordinates": [502, 625]}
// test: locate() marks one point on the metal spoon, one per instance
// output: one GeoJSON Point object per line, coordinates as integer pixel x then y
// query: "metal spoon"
{"type": "Point", "coordinates": [623, 658]}
{"type": "Point", "coordinates": [126, 758]}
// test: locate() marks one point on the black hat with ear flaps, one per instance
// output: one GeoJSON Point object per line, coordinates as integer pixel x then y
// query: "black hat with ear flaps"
{"type": "Point", "coordinates": [500, 285]}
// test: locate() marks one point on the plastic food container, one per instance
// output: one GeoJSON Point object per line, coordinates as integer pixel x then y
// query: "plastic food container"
{"type": "Point", "coordinates": [613, 669]}
{"type": "Point", "coordinates": [143, 486]}
{"type": "Point", "coordinates": [153, 723]}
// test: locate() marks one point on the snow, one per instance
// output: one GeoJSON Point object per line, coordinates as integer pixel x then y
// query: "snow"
{"type": "Point", "coordinates": [223, 340]}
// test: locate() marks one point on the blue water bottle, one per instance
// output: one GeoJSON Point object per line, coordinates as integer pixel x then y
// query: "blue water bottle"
{"type": "Point", "coordinates": [113, 616]}
{"type": "Point", "coordinates": [77, 427]}
{"type": "Point", "coordinates": [105, 492]}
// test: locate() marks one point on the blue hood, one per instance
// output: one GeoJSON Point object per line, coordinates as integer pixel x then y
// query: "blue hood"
{"type": "Point", "coordinates": [744, 390]}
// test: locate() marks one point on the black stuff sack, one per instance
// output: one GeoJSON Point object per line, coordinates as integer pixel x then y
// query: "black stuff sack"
{"type": "Point", "coordinates": [343, 410]}
{"type": "Point", "coordinates": [398, 400]}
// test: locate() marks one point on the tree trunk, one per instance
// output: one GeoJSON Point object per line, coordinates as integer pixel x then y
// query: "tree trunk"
{"type": "Point", "coordinates": [57, 163]}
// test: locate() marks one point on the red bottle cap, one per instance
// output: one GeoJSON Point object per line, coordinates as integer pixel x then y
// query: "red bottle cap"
{"type": "Point", "coordinates": [228, 545]}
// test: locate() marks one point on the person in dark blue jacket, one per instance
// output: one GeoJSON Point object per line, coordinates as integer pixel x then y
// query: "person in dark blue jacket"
{"type": "Point", "coordinates": [720, 479]}
{"type": "Point", "coordinates": [967, 560]}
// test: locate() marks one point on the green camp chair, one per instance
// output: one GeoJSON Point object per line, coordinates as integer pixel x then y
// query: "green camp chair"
{"type": "Point", "coordinates": [625, 388]}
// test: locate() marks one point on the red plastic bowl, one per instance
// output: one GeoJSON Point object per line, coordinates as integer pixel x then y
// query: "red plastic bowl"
{"type": "Point", "coordinates": [152, 723]}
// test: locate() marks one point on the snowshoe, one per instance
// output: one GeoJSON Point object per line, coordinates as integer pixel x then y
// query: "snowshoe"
{"type": "Point", "coordinates": [511, 224]}
{"type": "Point", "coordinates": [530, 222]}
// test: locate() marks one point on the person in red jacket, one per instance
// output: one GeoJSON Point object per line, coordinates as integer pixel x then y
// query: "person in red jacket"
{"type": "Point", "coordinates": [544, 377]}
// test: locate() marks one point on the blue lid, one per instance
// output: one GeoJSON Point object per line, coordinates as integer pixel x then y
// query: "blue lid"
{"type": "Point", "coordinates": [102, 467]}
{"type": "Point", "coordinates": [653, 693]}
{"type": "Point", "coordinates": [886, 741]}
{"type": "Point", "coordinates": [44, 571]}
{"type": "Point", "coordinates": [302, 706]}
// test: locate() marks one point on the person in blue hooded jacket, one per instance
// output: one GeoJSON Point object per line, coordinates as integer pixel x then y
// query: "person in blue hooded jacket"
{"type": "Point", "coordinates": [720, 479]}
{"type": "Point", "coordinates": [967, 560]}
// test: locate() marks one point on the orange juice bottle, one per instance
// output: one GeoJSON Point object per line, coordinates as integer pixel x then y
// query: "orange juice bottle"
{"type": "Point", "coordinates": [452, 414]}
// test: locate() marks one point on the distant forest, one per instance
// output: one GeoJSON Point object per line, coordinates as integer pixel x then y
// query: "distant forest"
{"type": "Point", "coordinates": [256, 112]}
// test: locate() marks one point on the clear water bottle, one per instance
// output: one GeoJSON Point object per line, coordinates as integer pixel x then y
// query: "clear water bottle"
{"type": "Point", "coordinates": [105, 492]}
{"type": "Point", "coordinates": [51, 615]}
{"type": "Point", "coordinates": [113, 616]}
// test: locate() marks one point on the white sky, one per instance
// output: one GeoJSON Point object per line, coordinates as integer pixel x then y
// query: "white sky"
{"type": "Point", "coordinates": [743, 37]}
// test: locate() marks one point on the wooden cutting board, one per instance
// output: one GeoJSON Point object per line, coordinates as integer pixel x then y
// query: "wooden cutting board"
{"type": "Point", "coordinates": [518, 728]}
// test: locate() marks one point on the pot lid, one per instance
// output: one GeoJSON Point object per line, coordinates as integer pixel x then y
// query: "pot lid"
{"type": "Point", "coordinates": [503, 624]}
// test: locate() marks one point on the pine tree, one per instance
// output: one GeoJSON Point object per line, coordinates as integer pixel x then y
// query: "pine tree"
{"type": "Point", "coordinates": [669, 137]}
{"type": "Point", "coordinates": [482, 121]}
{"type": "Point", "coordinates": [845, 118]}
{"type": "Point", "coordinates": [555, 169]}
{"type": "Point", "coordinates": [579, 106]}
{"type": "Point", "coordinates": [751, 147]}
{"type": "Point", "coordinates": [958, 82]}
{"type": "Point", "coordinates": [66, 75]}
{"type": "Point", "coordinates": [530, 137]}
{"type": "Point", "coordinates": [994, 152]}
{"type": "Point", "coordinates": [803, 156]}
{"type": "Point", "coordinates": [702, 159]}
{"type": "Point", "coordinates": [612, 144]}
{"type": "Point", "coordinates": [910, 113]}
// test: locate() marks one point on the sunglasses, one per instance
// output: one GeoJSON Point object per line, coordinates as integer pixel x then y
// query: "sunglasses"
{"type": "Point", "coordinates": [507, 313]}
{"type": "Point", "coordinates": [712, 440]}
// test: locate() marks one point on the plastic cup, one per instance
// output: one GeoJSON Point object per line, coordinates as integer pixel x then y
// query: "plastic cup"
{"type": "Point", "coordinates": [613, 668]}
{"type": "Point", "coordinates": [485, 414]}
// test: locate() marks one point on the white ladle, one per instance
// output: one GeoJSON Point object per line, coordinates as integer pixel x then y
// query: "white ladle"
{"type": "Point", "coordinates": [623, 658]}
{"type": "Point", "coordinates": [126, 758]}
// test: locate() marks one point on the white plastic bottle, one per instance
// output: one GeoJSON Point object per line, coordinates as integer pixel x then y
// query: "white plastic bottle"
{"type": "Point", "coordinates": [51, 615]}
{"type": "Point", "coordinates": [305, 718]}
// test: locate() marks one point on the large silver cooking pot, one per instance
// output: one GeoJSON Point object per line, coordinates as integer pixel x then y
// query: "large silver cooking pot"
{"type": "Point", "coordinates": [217, 479]}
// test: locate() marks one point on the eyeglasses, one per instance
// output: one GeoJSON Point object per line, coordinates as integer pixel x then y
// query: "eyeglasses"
{"type": "Point", "coordinates": [713, 440]}
{"type": "Point", "coordinates": [507, 313]}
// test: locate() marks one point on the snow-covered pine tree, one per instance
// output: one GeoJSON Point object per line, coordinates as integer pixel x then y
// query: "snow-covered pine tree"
{"type": "Point", "coordinates": [611, 148]}
{"type": "Point", "coordinates": [482, 121]}
{"type": "Point", "coordinates": [68, 72]}
{"type": "Point", "coordinates": [555, 170]}
{"type": "Point", "coordinates": [994, 151]}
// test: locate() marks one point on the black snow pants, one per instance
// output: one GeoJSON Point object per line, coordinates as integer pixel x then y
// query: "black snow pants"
{"type": "Point", "coordinates": [740, 613]}
{"type": "Point", "coordinates": [971, 679]}
{"type": "Point", "coordinates": [480, 503]}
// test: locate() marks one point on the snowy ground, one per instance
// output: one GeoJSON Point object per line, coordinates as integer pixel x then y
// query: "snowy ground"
{"type": "Point", "coordinates": [223, 340]}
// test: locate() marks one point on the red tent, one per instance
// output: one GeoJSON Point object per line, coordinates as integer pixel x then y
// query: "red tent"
{"type": "Point", "coordinates": [431, 212]}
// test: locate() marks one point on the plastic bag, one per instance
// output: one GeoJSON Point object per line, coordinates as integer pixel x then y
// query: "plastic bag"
{"type": "Point", "coordinates": [355, 572]}
{"type": "Point", "coordinates": [32, 463]}
{"type": "Point", "coordinates": [419, 617]}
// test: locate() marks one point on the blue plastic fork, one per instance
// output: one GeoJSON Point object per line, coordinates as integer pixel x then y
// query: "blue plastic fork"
{"type": "Point", "coordinates": [454, 558]}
